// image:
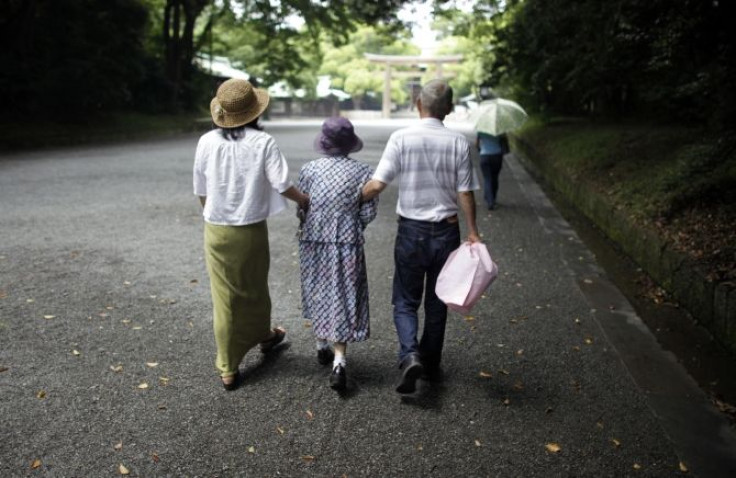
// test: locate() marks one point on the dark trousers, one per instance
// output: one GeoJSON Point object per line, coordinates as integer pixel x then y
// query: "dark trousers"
{"type": "Point", "coordinates": [490, 166]}
{"type": "Point", "coordinates": [420, 251]}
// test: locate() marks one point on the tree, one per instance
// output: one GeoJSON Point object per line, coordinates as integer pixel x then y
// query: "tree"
{"type": "Point", "coordinates": [621, 57]}
{"type": "Point", "coordinates": [268, 32]}
{"type": "Point", "coordinates": [70, 58]}
{"type": "Point", "coordinates": [352, 72]}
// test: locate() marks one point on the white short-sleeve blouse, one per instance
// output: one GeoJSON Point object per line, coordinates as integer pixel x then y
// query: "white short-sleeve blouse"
{"type": "Point", "coordinates": [242, 179]}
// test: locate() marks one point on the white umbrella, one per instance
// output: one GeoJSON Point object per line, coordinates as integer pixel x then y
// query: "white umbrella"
{"type": "Point", "coordinates": [497, 116]}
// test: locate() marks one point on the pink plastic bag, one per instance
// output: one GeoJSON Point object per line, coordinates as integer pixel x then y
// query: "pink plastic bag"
{"type": "Point", "coordinates": [467, 273]}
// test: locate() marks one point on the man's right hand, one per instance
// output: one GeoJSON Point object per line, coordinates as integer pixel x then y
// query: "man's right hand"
{"type": "Point", "coordinates": [473, 237]}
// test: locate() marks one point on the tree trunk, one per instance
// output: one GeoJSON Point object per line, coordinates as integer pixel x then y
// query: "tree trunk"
{"type": "Point", "coordinates": [179, 41]}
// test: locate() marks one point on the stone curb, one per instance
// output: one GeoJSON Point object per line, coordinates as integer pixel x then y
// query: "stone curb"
{"type": "Point", "coordinates": [712, 304]}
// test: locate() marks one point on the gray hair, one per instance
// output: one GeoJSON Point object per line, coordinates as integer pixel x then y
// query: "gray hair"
{"type": "Point", "coordinates": [436, 98]}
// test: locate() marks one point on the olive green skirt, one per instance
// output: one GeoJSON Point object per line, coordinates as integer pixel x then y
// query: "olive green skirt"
{"type": "Point", "coordinates": [237, 262]}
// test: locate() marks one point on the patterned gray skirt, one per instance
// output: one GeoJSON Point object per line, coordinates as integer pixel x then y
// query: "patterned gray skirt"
{"type": "Point", "coordinates": [335, 290]}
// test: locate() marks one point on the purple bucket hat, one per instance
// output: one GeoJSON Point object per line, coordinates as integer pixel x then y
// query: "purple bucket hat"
{"type": "Point", "coordinates": [337, 137]}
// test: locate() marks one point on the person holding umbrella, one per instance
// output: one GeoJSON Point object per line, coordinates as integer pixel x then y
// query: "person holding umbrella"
{"type": "Point", "coordinates": [492, 150]}
{"type": "Point", "coordinates": [492, 120]}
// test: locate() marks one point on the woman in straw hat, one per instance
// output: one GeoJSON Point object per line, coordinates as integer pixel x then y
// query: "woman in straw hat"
{"type": "Point", "coordinates": [241, 178]}
{"type": "Point", "coordinates": [333, 270]}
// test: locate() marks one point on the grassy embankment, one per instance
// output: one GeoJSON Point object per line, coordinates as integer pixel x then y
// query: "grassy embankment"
{"type": "Point", "coordinates": [114, 127]}
{"type": "Point", "coordinates": [666, 194]}
{"type": "Point", "coordinates": [672, 179]}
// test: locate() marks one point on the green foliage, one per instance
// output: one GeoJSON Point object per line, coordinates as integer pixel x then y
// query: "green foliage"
{"type": "Point", "coordinates": [617, 58]}
{"type": "Point", "coordinates": [71, 57]}
{"type": "Point", "coordinates": [352, 72]}
{"type": "Point", "coordinates": [651, 170]}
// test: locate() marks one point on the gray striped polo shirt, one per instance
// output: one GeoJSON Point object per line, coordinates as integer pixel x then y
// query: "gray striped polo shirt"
{"type": "Point", "coordinates": [432, 164]}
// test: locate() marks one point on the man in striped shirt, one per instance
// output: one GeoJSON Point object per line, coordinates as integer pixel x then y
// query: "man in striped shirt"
{"type": "Point", "coordinates": [436, 179]}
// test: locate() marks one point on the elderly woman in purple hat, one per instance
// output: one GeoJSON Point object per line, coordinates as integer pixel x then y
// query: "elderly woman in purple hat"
{"type": "Point", "coordinates": [333, 270]}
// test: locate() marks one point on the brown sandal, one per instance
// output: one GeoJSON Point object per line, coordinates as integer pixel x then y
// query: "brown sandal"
{"type": "Point", "coordinates": [232, 385]}
{"type": "Point", "coordinates": [276, 338]}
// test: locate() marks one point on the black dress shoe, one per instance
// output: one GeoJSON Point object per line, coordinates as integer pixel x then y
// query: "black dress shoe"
{"type": "Point", "coordinates": [432, 374]}
{"type": "Point", "coordinates": [411, 370]}
{"type": "Point", "coordinates": [338, 378]}
{"type": "Point", "coordinates": [325, 356]}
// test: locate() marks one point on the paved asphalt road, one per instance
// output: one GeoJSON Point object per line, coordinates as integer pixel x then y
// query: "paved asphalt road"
{"type": "Point", "coordinates": [106, 348]}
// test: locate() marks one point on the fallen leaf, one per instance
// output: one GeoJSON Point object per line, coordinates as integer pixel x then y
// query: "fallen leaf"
{"type": "Point", "coordinates": [310, 415]}
{"type": "Point", "coordinates": [518, 386]}
{"type": "Point", "coordinates": [280, 430]}
{"type": "Point", "coordinates": [503, 372]}
{"type": "Point", "coordinates": [683, 467]}
{"type": "Point", "coordinates": [615, 442]}
{"type": "Point", "coordinates": [484, 374]}
{"type": "Point", "coordinates": [155, 457]}
{"type": "Point", "coordinates": [143, 386]}
{"type": "Point", "coordinates": [152, 364]}
{"type": "Point", "coordinates": [126, 282]}
{"type": "Point", "coordinates": [76, 352]}
{"type": "Point", "coordinates": [4, 369]}
{"type": "Point", "coordinates": [35, 464]}
{"type": "Point", "coordinates": [163, 380]}
{"type": "Point", "coordinates": [308, 458]}
{"type": "Point", "coordinates": [103, 314]}
{"type": "Point", "coordinates": [109, 307]}
{"type": "Point", "coordinates": [3, 294]}
{"type": "Point", "coordinates": [118, 446]}
{"type": "Point", "coordinates": [507, 402]}
{"type": "Point", "coordinates": [549, 410]}
{"type": "Point", "coordinates": [469, 318]}
{"type": "Point", "coordinates": [251, 449]}
{"type": "Point", "coordinates": [137, 327]}
{"type": "Point", "coordinates": [553, 447]}
{"type": "Point", "coordinates": [41, 394]}
{"type": "Point", "coordinates": [599, 425]}
{"type": "Point", "coordinates": [587, 281]}
{"type": "Point", "coordinates": [116, 368]}
{"type": "Point", "coordinates": [577, 320]}
{"type": "Point", "coordinates": [193, 281]}
{"type": "Point", "coordinates": [477, 442]}
{"type": "Point", "coordinates": [420, 447]}
{"type": "Point", "coordinates": [520, 352]}
{"type": "Point", "coordinates": [576, 348]}
{"type": "Point", "coordinates": [49, 317]}
{"type": "Point", "coordinates": [307, 324]}
{"type": "Point", "coordinates": [637, 466]}
{"type": "Point", "coordinates": [30, 301]}
{"type": "Point", "coordinates": [162, 407]}
{"type": "Point", "coordinates": [123, 470]}
{"type": "Point", "coordinates": [588, 341]}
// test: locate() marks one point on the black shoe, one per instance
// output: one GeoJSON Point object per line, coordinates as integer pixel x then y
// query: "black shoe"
{"type": "Point", "coordinates": [325, 356]}
{"type": "Point", "coordinates": [338, 378]}
{"type": "Point", "coordinates": [411, 370]}
{"type": "Point", "coordinates": [431, 374]}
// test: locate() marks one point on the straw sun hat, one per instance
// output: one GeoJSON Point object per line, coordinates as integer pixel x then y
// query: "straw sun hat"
{"type": "Point", "coordinates": [237, 103]}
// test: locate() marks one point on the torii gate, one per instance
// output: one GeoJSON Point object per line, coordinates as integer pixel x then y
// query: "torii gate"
{"type": "Point", "coordinates": [389, 60]}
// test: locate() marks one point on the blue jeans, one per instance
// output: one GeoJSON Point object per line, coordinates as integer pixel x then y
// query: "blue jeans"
{"type": "Point", "coordinates": [420, 251]}
{"type": "Point", "coordinates": [490, 166]}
